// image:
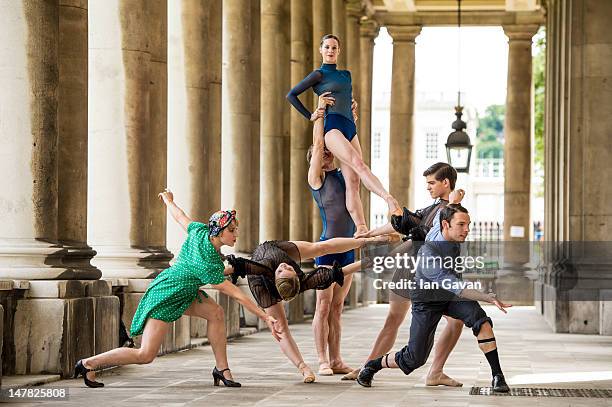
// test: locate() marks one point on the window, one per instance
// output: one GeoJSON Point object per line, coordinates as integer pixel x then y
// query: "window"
{"type": "Point", "coordinates": [376, 146]}
{"type": "Point", "coordinates": [431, 145]}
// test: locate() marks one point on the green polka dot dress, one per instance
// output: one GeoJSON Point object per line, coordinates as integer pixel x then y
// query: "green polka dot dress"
{"type": "Point", "coordinates": [174, 289]}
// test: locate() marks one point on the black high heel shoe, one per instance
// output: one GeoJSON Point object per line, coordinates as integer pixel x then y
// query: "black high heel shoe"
{"type": "Point", "coordinates": [80, 370]}
{"type": "Point", "coordinates": [218, 375]}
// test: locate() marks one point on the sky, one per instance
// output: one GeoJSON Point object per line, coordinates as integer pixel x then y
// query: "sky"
{"type": "Point", "coordinates": [484, 60]}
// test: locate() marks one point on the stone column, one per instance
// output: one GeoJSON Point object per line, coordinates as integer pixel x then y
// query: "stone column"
{"type": "Point", "coordinates": [271, 189]}
{"type": "Point", "coordinates": [236, 164]}
{"type": "Point", "coordinates": [338, 12]}
{"type": "Point", "coordinates": [368, 31]}
{"type": "Point", "coordinates": [402, 112]}
{"type": "Point", "coordinates": [29, 61]}
{"type": "Point", "coordinates": [301, 135]}
{"type": "Point", "coordinates": [44, 76]}
{"type": "Point", "coordinates": [194, 148]}
{"type": "Point", "coordinates": [72, 123]}
{"type": "Point", "coordinates": [301, 130]}
{"type": "Point", "coordinates": [321, 25]}
{"type": "Point", "coordinates": [255, 79]}
{"type": "Point", "coordinates": [158, 113]}
{"type": "Point", "coordinates": [124, 136]}
{"type": "Point", "coordinates": [517, 133]}
{"type": "Point", "coordinates": [352, 46]}
{"type": "Point", "coordinates": [284, 56]}
{"type": "Point", "coordinates": [578, 166]}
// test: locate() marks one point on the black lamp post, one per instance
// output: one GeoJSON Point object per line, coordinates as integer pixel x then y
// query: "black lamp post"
{"type": "Point", "coordinates": [458, 146]}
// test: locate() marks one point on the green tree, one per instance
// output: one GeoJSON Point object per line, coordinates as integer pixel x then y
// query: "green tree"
{"type": "Point", "coordinates": [539, 81]}
{"type": "Point", "coordinates": [490, 133]}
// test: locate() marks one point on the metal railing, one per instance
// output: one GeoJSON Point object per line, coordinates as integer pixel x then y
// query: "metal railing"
{"type": "Point", "coordinates": [489, 168]}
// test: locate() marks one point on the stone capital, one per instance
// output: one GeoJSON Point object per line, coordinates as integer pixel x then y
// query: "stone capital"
{"type": "Point", "coordinates": [404, 33]}
{"type": "Point", "coordinates": [369, 28]}
{"type": "Point", "coordinates": [516, 32]}
{"type": "Point", "coordinates": [354, 9]}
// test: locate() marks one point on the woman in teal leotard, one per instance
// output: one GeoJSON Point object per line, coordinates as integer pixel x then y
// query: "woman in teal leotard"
{"type": "Point", "coordinates": [340, 130]}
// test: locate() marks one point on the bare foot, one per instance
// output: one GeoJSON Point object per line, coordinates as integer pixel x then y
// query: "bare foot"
{"type": "Point", "coordinates": [325, 370]}
{"type": "Point", "coordinates": [308, 374]}
{"type": "Point", "coordinates": [361, 230]}
{"type": "Point", "coordinates": [440, 379]}
{"type": "Point", "coordinates": [352, 375]}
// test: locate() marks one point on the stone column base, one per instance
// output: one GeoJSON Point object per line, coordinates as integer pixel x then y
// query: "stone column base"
{"type": "Point", "coordinates": [51, 334]}
{"type": "Point", "coordinates": [59, 322]}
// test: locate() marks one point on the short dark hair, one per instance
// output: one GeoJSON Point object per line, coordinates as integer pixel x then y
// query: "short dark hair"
{"type": "Point", "coordinates": [442, 171]}
{"type": "Point", "coordinates": [449, 211]}
{"type": "Point", "coordinates": [327, 37]}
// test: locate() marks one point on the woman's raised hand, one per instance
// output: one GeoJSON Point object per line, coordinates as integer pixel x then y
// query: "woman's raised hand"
{"type": "Point", "coordinates": [272, 326]}
{"type": "Point", "coordinates": [166, 196]}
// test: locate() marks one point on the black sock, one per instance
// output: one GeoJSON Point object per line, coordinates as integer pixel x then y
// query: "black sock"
{"type": "Point", "coordinates": [493, 359]}
{"type": "Point", "coordinates": [375, 364]}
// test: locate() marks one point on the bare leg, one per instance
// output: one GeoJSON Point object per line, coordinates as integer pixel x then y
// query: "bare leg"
{"type": "Point", "coordinates": [444, 346]}
{"type": "Point", "coordinates": [398, 308]}
{"type": "Point", "coordinates": [287, 344]}
{"type": "Point", "coordinates": [347, 154]}
{"type": "Point", "coordinates": [152, 337]}
{"type": "Point", "coordinates": [320, 327]}
{"type": "Point", "coordinates": [335, 326]}
{"type": "Point", "coordinates": [216, 333]}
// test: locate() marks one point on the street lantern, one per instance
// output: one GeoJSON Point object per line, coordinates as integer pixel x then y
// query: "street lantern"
{"type": "Point", "coordinates": [458, 146]}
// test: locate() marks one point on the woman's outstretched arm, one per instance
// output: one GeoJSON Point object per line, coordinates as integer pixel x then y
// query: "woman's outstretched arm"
{"type": "Point", "coordinates": [235, 292]}
{"type": "Point", "coordinates": [177, 213]}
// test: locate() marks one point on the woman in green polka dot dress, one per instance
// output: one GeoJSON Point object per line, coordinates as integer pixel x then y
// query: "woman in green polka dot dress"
{"type": "Point", "coordinates": [176, 292]}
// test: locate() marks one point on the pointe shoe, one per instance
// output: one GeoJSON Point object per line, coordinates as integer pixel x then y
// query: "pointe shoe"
{"type": "Point", "coordinates": [325, 371]}
{"type": "Point", "coordinates": [218, 376]}
{"type": "Point", "coordinates": [351, 375]}
{"type": "Point", "coordinates": [341, 370]}
{"type": "Point", "coordinates": [309, 376]}
{"type": "Point", "coordinates": [81, 370]}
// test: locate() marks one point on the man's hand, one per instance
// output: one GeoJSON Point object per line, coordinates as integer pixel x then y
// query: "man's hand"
{"type": "Point", "coordinates": [166, 196]}
{"type": "Point", "coordinates": [456, 196]}
{"type": "Point", "coordinates": [495, 301]}
{"type": "Point", "coordinates": [325, 100]}
{"type": "Point", "coordinates": [354, 108]}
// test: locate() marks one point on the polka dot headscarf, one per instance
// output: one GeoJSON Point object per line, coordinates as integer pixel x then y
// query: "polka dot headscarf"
{"type": "Point", "coordinates": [220, 220]}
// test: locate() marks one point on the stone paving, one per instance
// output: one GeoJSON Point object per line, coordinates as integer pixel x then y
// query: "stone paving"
{"type": "Point", "coordinates": [531, 356]}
